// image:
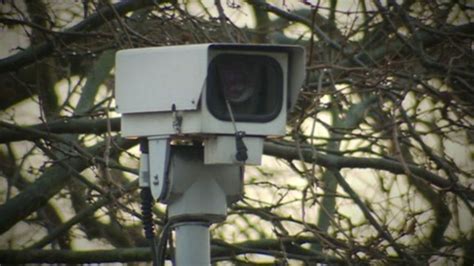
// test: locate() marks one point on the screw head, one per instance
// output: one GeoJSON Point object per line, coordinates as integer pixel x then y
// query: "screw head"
{"type": "Point", "coordinates": [156, 181]}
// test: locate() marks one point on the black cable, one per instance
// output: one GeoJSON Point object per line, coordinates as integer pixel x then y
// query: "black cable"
{"type": "Point", "coordinates": [163, 239]}
{"type": "Point", "coordinates": [147, 220]}
{"type": "Point", "coordinates": [171, 248]}
{"type": "Point", "coordinates": [158, 250]}
{"type": "Point", "coordinates": [147, 202]}
{"type": "Point", "coordinates": [241, 154]}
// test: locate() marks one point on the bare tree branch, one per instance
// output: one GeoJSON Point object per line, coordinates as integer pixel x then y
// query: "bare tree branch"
{"type": "Point", "coordinates": [37, 52]}
{"type": "Point", "coordinates": [46, 186]}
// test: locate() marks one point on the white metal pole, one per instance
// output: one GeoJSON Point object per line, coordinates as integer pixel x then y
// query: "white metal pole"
{"type": "Point", "coordinates": [193, 245]}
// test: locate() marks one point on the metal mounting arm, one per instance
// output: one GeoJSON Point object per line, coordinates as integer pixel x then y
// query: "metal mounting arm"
{"type": "Point", "coordinates": [159, 154]}
{"type": "Point", "coordinates": [197, 194]}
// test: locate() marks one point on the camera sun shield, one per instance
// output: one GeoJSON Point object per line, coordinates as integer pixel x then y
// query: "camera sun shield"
{"type": "Point", "coordinates": [209, 93]}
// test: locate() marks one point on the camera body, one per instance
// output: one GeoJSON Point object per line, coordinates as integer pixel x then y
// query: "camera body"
{"type": "Point", "coordinates": [208, 92]}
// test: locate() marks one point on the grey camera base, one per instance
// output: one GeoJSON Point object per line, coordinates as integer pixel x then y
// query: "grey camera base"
{"type": "Point", "coordinates": [198, 195]}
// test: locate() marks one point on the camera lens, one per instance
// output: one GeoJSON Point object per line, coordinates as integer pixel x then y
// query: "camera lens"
{"type": "Point", "coordinates": [252, 84]}
{"type": "Point", "coordinates": [236, 83]}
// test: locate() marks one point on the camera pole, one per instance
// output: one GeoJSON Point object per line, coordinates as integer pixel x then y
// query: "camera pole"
{"type": "Point", "coordinates": [193, 246]}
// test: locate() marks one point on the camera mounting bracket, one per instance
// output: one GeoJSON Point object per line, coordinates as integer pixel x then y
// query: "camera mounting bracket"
{"type": "Point", "coordinates": [159, 154]}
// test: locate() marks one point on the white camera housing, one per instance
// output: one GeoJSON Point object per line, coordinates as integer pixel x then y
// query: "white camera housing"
{"type": "Point", "coordinates": [166, 91]}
